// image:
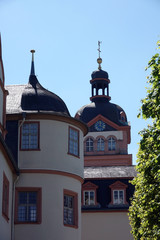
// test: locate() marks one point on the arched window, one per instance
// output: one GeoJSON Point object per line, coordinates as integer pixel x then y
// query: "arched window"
{"type": "Point", "coordinates": [100, 144]}
{"type": "Point", "coordinates": [111, 144]}
{"type": "Point", "coordinates": [89, 145]}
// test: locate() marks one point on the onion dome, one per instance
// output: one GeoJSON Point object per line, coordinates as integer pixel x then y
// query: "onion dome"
{"type": "Point", "coordinates": [99, 74]}
{"type": "Point", "coordinates": [37, 98]}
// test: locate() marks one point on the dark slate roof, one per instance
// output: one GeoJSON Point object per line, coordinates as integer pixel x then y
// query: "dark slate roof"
{"type": "Point", "coordinates": [33, 98]}
{"type": "Point", "coordinates": [110, 172]}
{"type": "Point", "coordinates": [99, 74]}
{"type": "Point", "coordinates": [109, 110]}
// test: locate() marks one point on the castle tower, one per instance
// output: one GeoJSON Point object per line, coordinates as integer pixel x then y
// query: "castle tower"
{"type": "Point", "coordinates": [108, 167]}
{"type": "Point", "coordinates": [47, 144]}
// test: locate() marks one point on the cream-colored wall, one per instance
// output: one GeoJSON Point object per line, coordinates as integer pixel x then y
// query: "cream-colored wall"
{"type": "Point", "coordinates": [117, 134]}
{"type": "Point", "coordinates": [5, 226]}
{"type": "Point", "coordinates": [106, 226]}
{"type": "Point", "coordinates": [52, 227]}
{"type": "Point", "coordinates": [1, 105]}
{"type": "Point", "coordinates": [53, 150]}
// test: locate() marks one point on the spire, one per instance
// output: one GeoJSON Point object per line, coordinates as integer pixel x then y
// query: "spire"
{"type": "Point", "coordinates": [32, 78]}
{"type": "Point", "coordinates": [99, 60]}
{"type": "Point", "coordinates": [32, 63]}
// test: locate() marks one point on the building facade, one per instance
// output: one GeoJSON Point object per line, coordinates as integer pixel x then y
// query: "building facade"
{"type": "Point", "coordinates": [8, 168]}
{"type": "Point", "coordinates": [63, 177]}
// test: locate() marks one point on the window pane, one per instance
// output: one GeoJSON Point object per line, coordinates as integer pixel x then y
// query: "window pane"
{"type": "Point", "coordinates": [32, 213]}
{"type": "Point", "coordinates": [22, 197]}
{"type": "Point", "coordinates": [22, 213]}
{"type": "Point", "coordinates": [32, 197]}
{"type": "Point", "coordinates": [86, 198]}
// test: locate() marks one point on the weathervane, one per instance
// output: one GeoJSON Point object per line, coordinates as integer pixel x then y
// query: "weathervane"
{"type": "Point", "coordinates": [99, 60]}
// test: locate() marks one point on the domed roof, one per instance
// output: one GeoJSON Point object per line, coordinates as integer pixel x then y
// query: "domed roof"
{"type": "Point", "coordinates": [106, 109]}
{"type": "Point", "coordinates": [99, 74]}
{"type": "Point", "coordinates": [37, 98]}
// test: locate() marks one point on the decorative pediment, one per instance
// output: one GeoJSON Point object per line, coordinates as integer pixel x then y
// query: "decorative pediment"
{"type": "Point", "coordinates": [118, 185]}
{"type": "Point", "coordinates": [99, 117]}
{"type": "Point", "coordinates": [89, 185]}
{"type": "Point", "coordinates": [111, 124]}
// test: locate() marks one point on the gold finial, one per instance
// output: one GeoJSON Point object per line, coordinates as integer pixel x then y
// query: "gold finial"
{"type": "Point", "coordinates": [99, 60]}
{"type": "Point", "coordinates": [32, 51]}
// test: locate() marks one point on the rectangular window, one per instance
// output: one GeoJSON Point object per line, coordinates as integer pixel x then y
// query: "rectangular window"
{"type": "Point", "coordinates": [5, 199]}
{"type": "Point", "coordinates": [89, 145]}
{"type": "Point", "coordinates": [70, 216]}
{"type": "Point", "coordinates": [73, 141]}
{"type": "Point", "coordinates": [28, 205]}
{"type": "Point", "coordinates": [118, 197]}
{"type": "Point", "coordinates": [89, 198]}
{"type": "Point", "coordinates": [30, 136]}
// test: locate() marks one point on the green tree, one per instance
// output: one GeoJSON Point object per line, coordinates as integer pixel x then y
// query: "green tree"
{"type": "Point", "coordinates": [144, 212]}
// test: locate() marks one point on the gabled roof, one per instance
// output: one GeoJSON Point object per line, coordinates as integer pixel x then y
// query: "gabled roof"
{"type": "Point", "coordinates": [110, 172]}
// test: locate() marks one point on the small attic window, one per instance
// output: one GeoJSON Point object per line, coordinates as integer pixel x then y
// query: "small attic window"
{"type": "Point", "coordinates": [118, 193]}
{"type": "Point", "coordinates": [89, 194]}
{"type": "Point", "coordinates": [122, 116]}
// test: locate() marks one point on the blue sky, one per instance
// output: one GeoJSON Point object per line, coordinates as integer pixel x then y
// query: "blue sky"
{"type": "Point", "coordinates": [65, 34]}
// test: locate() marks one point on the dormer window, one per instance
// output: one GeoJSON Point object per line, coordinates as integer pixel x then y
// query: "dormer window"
{"type": "Point", "coordinates": [89, 197]}
{"type": "Point", "coordinates": [118, 193]}
{"type": "Point", "coordinates": [118, 196]}
{"type": "Point", "coordinates": [122, 117]}
{"type": "Point", "coordinates": [89, 194]}
{"type": "Point", "coordinates": [100, 144]}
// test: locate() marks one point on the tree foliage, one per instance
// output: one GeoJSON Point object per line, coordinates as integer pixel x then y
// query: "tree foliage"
{"type": "Point", "coordinates": [144, 212]}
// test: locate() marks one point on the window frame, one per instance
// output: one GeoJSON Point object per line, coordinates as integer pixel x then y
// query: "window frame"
{"type": "Point", "coordinates": [38, 190]}
{"type": "Point", "coordinates": [118, 186]}
{"type": "Point", "coordinates": [38, 136]}
{"type": "Point", "coordinates": [90, 142]}
{"type": "Point", "coordinates": [89, 186]}
{"type": "Point", "coordinates": [74, 195]}
{"type": "Point", "coordinates": [72, 141]}
{"type": "Point", "coordinates": [100, 144]}
{"type": "Point", "coordinates": [89, 197]}
{"type": "Point", "coordinates": [118, 199]}
{"type": "Point", "coordinates": [111, 140]}
{"type": "Point", "coordinates": [5, 198]}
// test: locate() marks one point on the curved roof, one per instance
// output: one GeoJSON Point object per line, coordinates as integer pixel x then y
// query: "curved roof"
{"type": "Point", "coordinates": [37, 98]}
{"type": "Point", "coordinates": [108, 110]}
{"type": "Point", "coordinates": [99, 74]}
{"type": "Point", "coordinates": [32, 97]}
